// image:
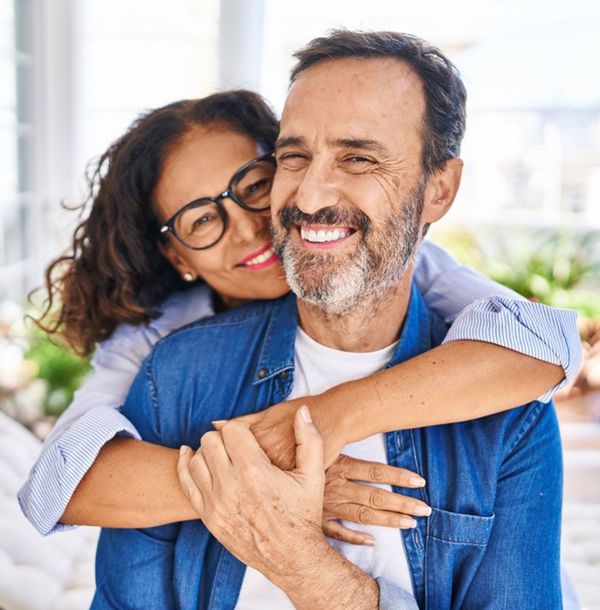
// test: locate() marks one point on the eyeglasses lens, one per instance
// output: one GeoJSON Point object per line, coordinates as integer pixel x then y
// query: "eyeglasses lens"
{"type": "Point", "coordinates": [201, 225]}
{"type": "Point", "coordinates": [252, 188]}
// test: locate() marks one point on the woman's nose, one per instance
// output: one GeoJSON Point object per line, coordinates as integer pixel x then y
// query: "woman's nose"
{"type": "Point", "coordinates": [245, 225]}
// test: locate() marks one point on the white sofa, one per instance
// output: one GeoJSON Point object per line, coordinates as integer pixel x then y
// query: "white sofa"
{"type": "Point", "coordinates": [37, 573]}
{"type": "Point", "coordinates": [57, 572]}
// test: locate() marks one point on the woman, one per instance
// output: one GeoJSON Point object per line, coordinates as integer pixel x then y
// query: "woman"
{"type": "Point", "coordinates": [155, 233]}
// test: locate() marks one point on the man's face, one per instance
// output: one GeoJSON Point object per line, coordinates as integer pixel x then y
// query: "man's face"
{"type": "Point", "coordinates": [349, 189]}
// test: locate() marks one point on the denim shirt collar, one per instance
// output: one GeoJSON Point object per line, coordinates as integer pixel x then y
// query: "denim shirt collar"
{"type": "Point", "coordinates": [416, 334]}
{"type": "Point", "coordinates": [277, 353]}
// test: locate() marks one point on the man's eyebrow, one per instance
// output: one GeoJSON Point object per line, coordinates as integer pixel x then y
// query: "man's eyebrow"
{"type": "Point", "coordinates": [362, 144]}
{"type": "Point", "coordinates": [290, 141]}
{"type": "Point", "coordinates": [350, 143]}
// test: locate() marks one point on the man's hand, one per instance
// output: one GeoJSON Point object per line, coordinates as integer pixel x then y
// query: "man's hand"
{"type": "Point", "coordinates": [273, 428]}
{"type": "Point", "coordinates": [270, 519]}
{"type": "Point", "coordinates": [265, 516]}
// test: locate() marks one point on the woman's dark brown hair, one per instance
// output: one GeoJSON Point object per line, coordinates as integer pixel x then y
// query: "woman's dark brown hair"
{"type": "Point", "coordinates": [114, 272]}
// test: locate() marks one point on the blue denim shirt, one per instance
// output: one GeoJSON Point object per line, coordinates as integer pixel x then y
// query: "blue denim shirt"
{"type": "Point", "coordinates": [495, 483]}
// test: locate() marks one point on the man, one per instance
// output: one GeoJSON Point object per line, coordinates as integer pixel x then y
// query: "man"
{"type": "Point", "coordinates": [367, 159]}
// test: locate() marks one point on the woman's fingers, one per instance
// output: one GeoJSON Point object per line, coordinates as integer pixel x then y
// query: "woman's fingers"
{"type": "Point", "coordinates": [374, 472]}
{"type": "Point", "coordinates": [364, 515]}
{"type": "Point", "coordinates": [336, 530]}
{"type": "Point", "coordinates": [375, 498]}
{"type": "Point", "coordinates": [187, 461]}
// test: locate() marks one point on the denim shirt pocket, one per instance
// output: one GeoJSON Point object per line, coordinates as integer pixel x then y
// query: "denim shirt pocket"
{"type": "Point", "coordinates": [455, 545]}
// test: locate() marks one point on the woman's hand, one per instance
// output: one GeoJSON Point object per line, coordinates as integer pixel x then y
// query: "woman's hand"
{"type": "Point", "coordinates": [351, 501]}
{"type": "Point", "coordinates": [273, 428]}
{"type": "Point", "coordinates": [366, 504]}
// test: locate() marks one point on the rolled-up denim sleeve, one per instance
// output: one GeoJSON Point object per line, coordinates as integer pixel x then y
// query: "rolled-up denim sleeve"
{"type": "Point", "coordinates": [393, 597]}
{"type": "Point", "coordinates": [545, 333]}
{"type": "Point", "coordinates": [482, 310]}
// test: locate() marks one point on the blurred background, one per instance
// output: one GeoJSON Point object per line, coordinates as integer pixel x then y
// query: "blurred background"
{"type": "Point", "coordinates": [75, 73]}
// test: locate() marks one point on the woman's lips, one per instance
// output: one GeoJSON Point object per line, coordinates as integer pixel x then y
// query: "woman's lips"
{"type": "Point", "coordinates": [262, 258]}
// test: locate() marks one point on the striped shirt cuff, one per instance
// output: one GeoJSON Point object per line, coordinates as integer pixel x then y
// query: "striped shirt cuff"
{"type": "Point", "coordinates": [543, 332]}
{"type": "Point", "coordinates": [63, 463]}
{"type": "Point", "coordinates": [393, 597]}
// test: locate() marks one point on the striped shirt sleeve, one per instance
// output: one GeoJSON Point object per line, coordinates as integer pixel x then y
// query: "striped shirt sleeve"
{"type": "Point", "coordinates": [482, 310]}
{"type": "Point", "coordinates": [94, 417]}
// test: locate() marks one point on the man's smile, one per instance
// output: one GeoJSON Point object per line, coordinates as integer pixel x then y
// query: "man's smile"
{"type": "Point", "coordinates": [322, 237]}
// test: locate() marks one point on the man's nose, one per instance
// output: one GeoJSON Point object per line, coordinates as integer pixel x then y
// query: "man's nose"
{"type": "Point", "coordinates": [316, 189]}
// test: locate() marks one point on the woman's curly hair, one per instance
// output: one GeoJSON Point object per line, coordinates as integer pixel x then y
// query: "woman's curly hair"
{"type": "Point", "coordinates": [114, 271]}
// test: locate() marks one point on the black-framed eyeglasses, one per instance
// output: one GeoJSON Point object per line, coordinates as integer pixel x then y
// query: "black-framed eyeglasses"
{"type": "Point", "coordinates": [202, 223]}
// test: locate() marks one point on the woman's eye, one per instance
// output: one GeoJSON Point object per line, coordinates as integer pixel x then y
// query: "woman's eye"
{"type": "Point", "coordinates": [259, 185]}
{"type": "Point", "coordinates": [202, 221]}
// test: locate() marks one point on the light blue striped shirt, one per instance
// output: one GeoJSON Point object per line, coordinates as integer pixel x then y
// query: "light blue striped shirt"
{"type": "Point", "coordinates": [478, 309]}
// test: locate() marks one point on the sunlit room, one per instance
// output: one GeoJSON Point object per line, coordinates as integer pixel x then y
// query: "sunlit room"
{"type": "Point", "coordinates": [116, 249]}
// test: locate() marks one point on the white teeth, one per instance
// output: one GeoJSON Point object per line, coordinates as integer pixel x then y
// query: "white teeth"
{"type": "Point", "coordinates": [261, 258]}
{"type": "Point", "coordinates": [322, 236]}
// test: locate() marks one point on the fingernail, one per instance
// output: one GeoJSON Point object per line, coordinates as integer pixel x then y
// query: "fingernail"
{"type": "Point", "coordinates": [409, 523]}
{"type": "Point", "coordinates": [422, 511]}
{"type": "Point", "coordinates": [218, 422]}
{"type": "Point", "coordinates": [417, 481]}
{"type": "Point", "coordinates": [369, 540]}
{"type": "Point", "coordinates": [183, 449]}
{"type": "Point", "coordinates": [305, 413]}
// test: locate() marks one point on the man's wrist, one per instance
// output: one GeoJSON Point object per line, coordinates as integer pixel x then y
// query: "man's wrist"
{"type": "Point", "coordinates": [322, 578]}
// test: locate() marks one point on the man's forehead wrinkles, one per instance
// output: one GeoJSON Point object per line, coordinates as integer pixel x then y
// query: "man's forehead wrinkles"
{"type": "Point", "coordinates": [290, 141]}
{"type": "Point", "coordinates": [350, 142]}
{"type": "Point", "coordinates": [361, 143]}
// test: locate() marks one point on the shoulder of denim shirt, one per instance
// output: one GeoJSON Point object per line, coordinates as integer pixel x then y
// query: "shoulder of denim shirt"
{"type": "Point", "coordinates": [214, 338]}
{"type": "Point", "coordinates": [197, 358]}
{"type": "Point", "coordinates": [240, 315]}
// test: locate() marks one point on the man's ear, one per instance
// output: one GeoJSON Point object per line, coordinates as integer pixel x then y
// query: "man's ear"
{"type": "Point", "coordinates": [441, 190]}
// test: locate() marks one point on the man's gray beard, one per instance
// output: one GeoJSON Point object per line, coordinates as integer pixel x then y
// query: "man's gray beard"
{"type": "Point", "coordinates": [337, 286]}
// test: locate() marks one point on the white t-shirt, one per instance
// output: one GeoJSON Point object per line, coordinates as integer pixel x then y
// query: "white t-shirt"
{"type": "Point", "coordinates": [319, 368]}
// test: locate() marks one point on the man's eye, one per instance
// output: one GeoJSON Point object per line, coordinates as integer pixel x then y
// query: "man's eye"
{"type": "Point", "coordinates": [359, 160]}
{"type": "Point", "coordinates": [292, 160]}
{"type": "Point", "coordinates": [357, 164]}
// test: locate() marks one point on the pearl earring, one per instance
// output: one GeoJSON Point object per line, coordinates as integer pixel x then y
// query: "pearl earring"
{"type": "Point", "coordinates": [188, 277]}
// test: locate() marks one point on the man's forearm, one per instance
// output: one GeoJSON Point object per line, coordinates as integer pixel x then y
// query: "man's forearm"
{"type": "Point", "coordinates": [322, 579]}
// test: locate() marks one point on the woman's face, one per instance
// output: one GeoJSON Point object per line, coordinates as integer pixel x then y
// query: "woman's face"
{"type": "Point", "coordinates": [201, 165]}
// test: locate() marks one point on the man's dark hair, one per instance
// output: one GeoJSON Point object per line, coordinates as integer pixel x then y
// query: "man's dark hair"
{"type": "Point", "coordinates": [445, 94]}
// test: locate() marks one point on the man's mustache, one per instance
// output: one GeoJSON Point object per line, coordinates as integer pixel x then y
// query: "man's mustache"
{"type": "Point", "coordinates": [292, 215]}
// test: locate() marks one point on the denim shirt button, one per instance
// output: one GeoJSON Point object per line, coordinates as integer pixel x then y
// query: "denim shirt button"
{"type": "Point", "coordinates": [283, 374]}
{"type": "Point", "coordinates": [262, 373]}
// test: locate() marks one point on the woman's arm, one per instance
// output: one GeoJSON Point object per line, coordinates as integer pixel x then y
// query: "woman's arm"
{"type": "Point", "coordinates": [134, 483]}
{"type": "Point", "coordinates": [94, 418]}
